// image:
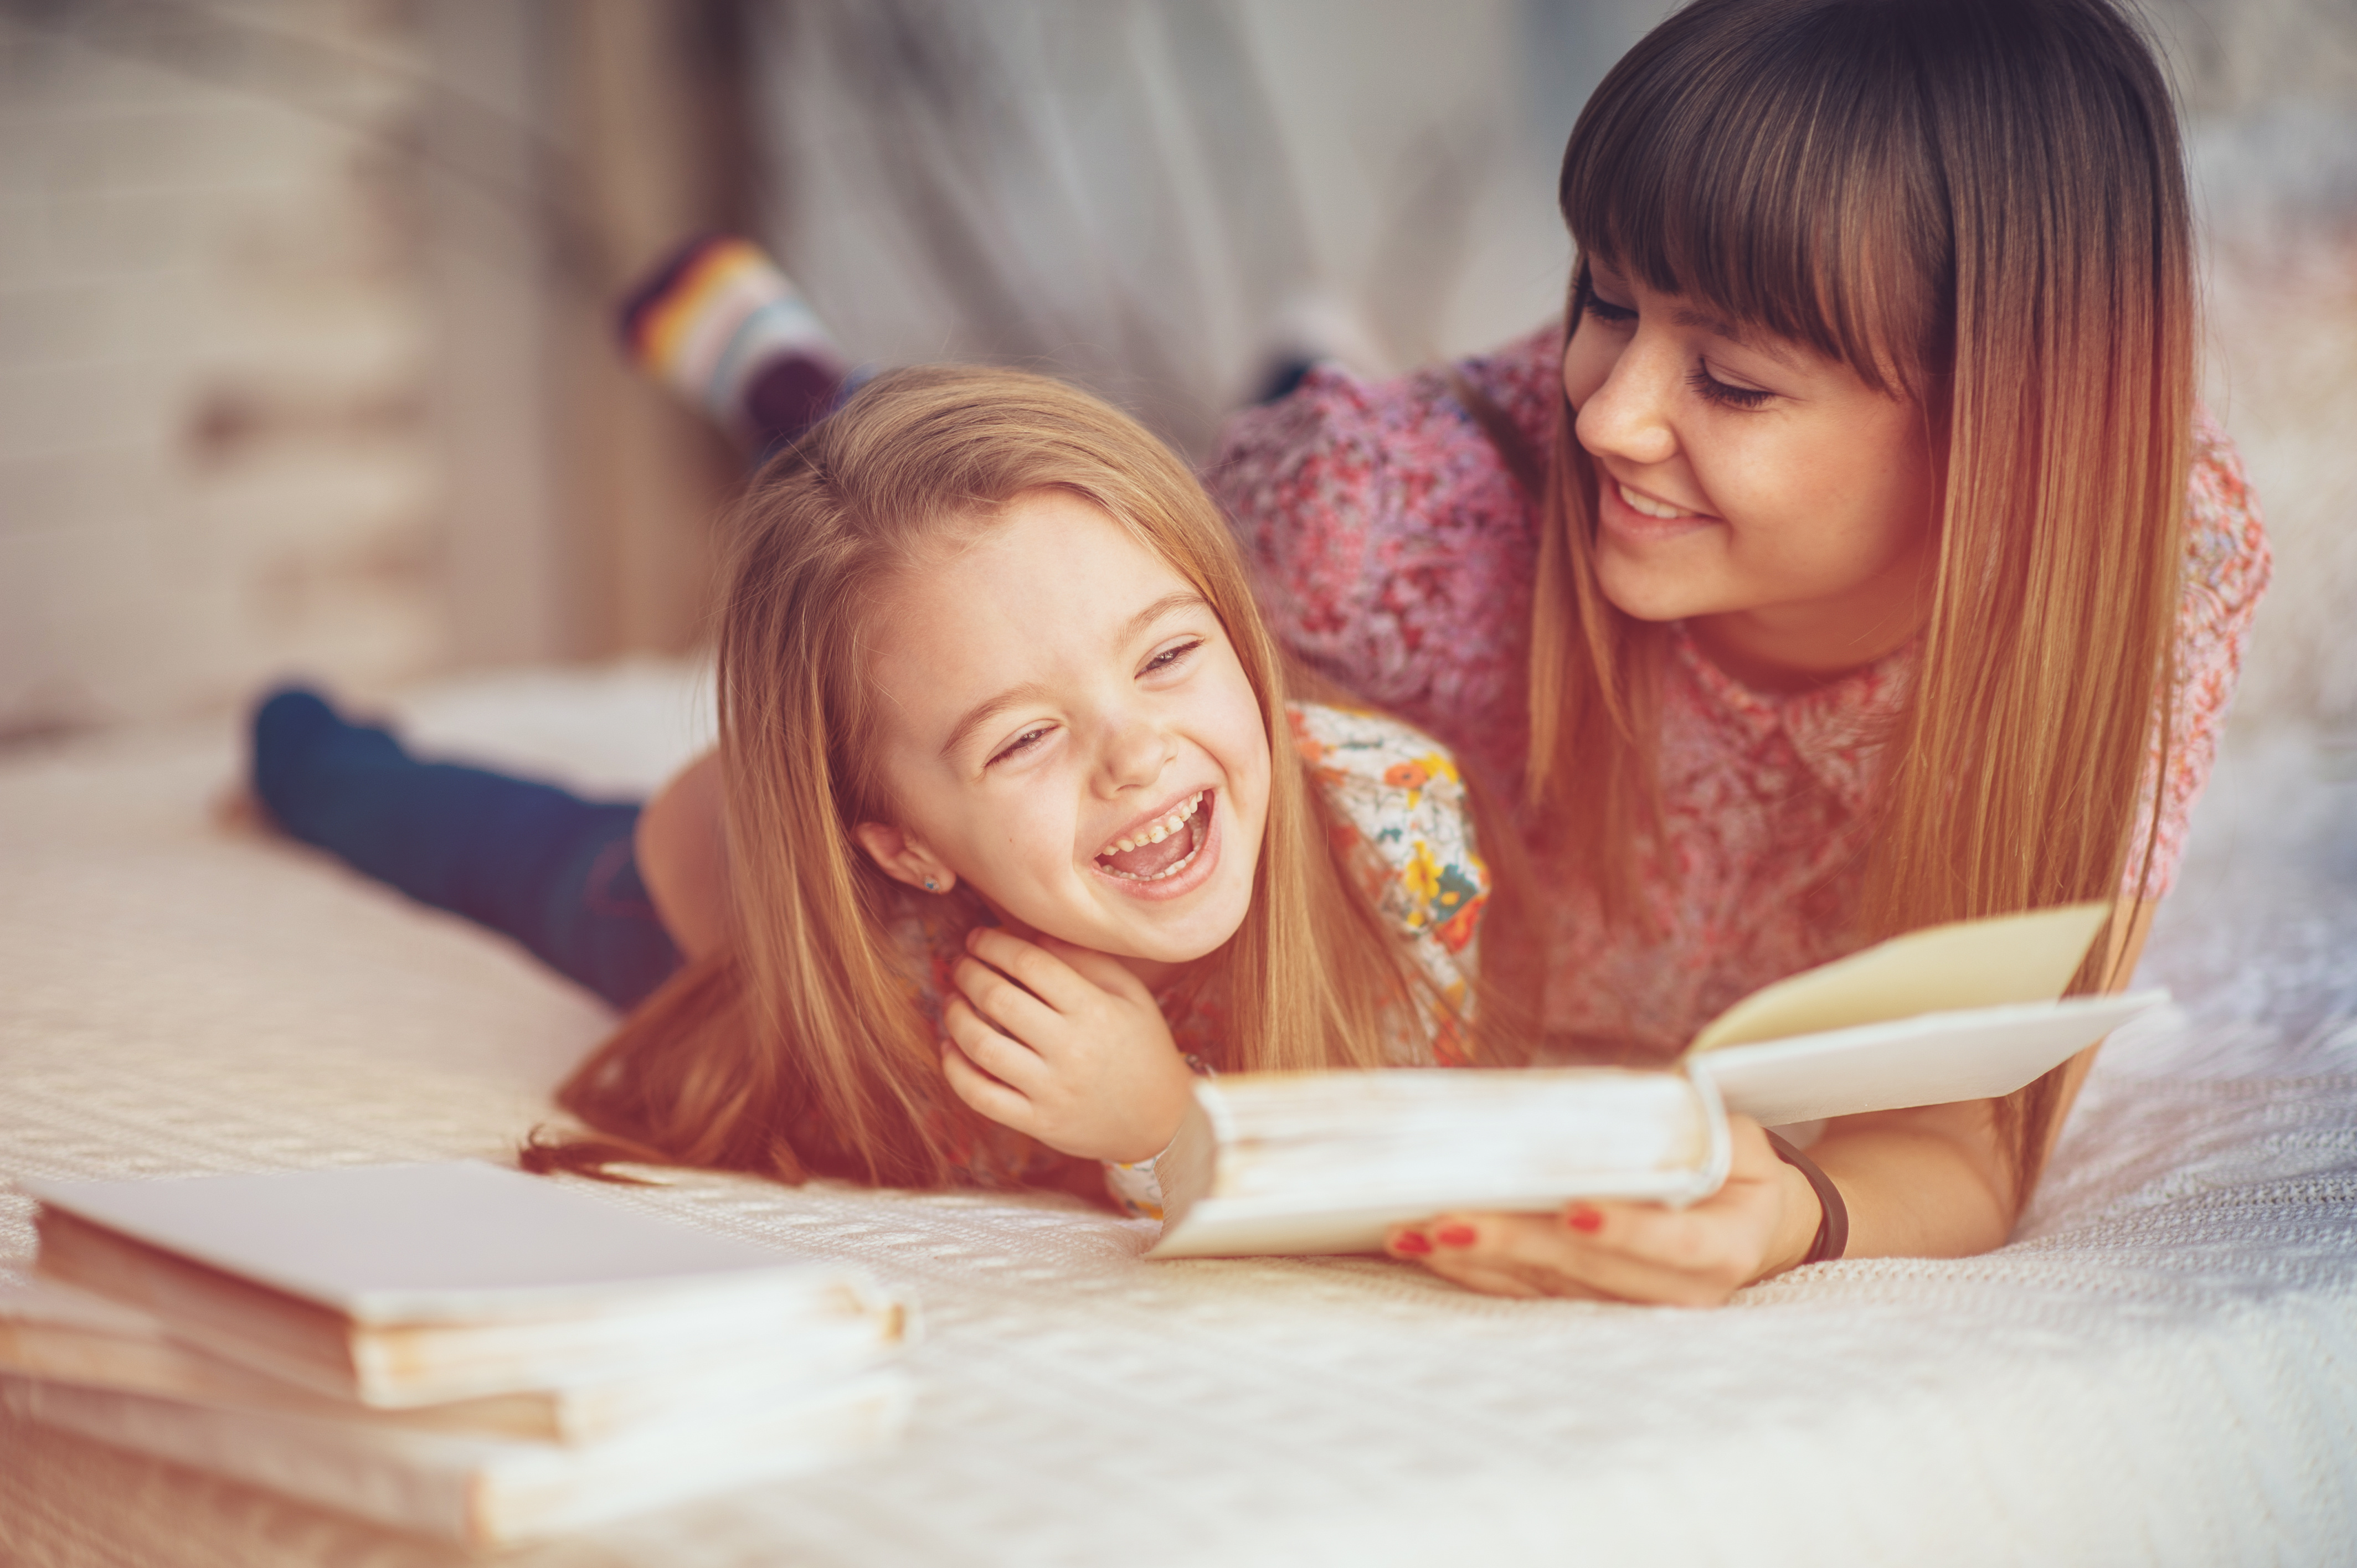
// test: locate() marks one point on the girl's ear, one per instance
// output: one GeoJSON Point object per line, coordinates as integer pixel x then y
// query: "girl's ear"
{"type": "Point", "coordinates": [903, 859]}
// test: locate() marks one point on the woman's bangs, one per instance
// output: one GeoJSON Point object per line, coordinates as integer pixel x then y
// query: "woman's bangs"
{"type": "Point", "coordinates": [1791, 191]}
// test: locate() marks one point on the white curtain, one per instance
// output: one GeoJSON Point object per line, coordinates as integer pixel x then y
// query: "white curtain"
{"type": "Point", "coordinates": [1160, 198]}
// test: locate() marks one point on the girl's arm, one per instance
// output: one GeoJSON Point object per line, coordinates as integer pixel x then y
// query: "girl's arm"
{"type": "Point", "coordinates": [683, 854]}
{"type": "Point", "coordinates": [1932, 1182]}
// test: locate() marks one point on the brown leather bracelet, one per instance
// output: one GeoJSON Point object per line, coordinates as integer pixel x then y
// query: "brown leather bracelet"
{"type": "Point", "coordinates": [1832, 1229]}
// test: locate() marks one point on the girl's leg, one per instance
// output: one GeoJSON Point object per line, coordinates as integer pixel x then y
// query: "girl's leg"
{"type": "Point", "coordinates": [721, 326]}
{"type": "Point", "coordinates": [555, 872]}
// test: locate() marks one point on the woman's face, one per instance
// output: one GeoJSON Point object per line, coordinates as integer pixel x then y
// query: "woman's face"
{"type": "Point", "coordinates": [1751, 487]}
{"type": "Point", "coordinates": [1054, 692]}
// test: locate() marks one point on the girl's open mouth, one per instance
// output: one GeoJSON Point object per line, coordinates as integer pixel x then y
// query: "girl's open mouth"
{"type": "Point", "coordinates": [1163, 850]}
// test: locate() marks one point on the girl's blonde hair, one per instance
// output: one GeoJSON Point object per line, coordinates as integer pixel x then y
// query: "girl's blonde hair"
{"type": "Point", "coordinates": [1978, 206]}
{"type": "Point", "coordinates": [802, 1049]}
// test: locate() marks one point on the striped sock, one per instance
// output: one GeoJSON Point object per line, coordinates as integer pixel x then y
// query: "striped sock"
{"type": "Point", "coordinates": [723, 326]}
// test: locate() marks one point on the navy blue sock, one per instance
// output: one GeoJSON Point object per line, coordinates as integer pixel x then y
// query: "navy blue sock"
{"type": "Point", "coordinates": [556, 872]}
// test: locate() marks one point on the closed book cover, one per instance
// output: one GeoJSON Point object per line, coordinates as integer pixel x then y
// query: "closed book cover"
{"type": "Point", "coordinates": [422, 1283]}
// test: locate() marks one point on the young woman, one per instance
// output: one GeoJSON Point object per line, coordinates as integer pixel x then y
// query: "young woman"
{"type": "Point", "coordinates": [1854, 559]}
{"type": "Point", "coordinates": [1016, 821]}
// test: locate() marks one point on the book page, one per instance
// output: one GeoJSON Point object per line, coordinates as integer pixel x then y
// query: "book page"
{"type": "Point", "coordinates": [1935, 1058]}
{"type": "Point", "coordinates": [2001, 961]}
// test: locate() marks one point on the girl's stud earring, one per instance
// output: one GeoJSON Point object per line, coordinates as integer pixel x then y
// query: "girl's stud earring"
{"type": "Point", "coordinates": [932, 886]}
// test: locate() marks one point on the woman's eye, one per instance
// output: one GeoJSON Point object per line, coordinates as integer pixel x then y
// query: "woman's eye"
{"type": "Point", "coordinates": [1712, 390]}
{"type": "Point", "coordinates": [1604, 310]}
{"type": "Point", "coordinates": [1020, 743]}
{"type": "Point", "coordinates": [1170, 657]}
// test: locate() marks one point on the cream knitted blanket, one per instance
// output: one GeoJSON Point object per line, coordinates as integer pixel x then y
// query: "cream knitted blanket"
{"type": "Point", "coordinates": [2161, 1367]}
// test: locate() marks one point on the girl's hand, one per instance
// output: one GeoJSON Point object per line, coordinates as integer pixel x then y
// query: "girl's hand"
{"type": "Point", "coordinates": [1762, 1223]}
{"type": "Point", "coordinates": [1065, 1044]}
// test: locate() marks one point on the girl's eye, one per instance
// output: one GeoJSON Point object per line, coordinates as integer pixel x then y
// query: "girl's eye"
{"type": "Point", "coordinates": [1604, 310]}
{"type": "Point", "coordinates": [1020, 743]}
{"type": "Point", "coordinates": [1712, 390]}
{"type": "Point", "coordinates": [1169, 658]}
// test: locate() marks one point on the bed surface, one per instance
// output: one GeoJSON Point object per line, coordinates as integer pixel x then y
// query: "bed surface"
{"type": "Point", "coordinates": [2161, 1367]}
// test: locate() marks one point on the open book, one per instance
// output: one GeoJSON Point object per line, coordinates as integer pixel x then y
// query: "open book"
{"type": "Point", "coordinates": [1323, 1163]}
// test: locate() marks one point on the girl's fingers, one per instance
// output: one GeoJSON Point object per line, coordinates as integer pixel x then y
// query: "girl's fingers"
{"type": "Point", "coordinates": [1035, 969]}
{"type": "Point", "coordinates": [1011, 1062]}
{"type": "Point", "coordinates": [984, 1093]}
{"type": "Point", "coordinates": [1015, 1010]}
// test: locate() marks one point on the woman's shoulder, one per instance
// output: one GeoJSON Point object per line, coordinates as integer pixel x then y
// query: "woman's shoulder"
{"type": "Point", "coordinates": [2227, 562]}
{"type": "Point", "coordinates": [2226, 565]}
{"type": "Point", "coordinates": [1390, 546]}
{"type": "Point", "coordinates": [1399, 811]}
{"type": "Point", "coordinates": [1341, 428]}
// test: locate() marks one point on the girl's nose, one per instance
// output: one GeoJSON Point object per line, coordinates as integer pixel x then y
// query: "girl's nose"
{"type": "Point", "coordinates": [1628, 416]}
{"type": "Point", "coordinates": [1136, 753]}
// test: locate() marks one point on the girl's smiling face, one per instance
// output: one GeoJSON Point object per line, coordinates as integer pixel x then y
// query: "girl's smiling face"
{"type": "Point", "coordinates": [1750, 487]}
{"type": "Point", "coordinates": [1052, 690]}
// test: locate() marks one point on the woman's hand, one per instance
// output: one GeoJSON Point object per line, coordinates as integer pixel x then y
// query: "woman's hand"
{"type": "Point", "coordinates": [1064, 1045]}
{"type": "Point", "coordinates": [1761, 1222]}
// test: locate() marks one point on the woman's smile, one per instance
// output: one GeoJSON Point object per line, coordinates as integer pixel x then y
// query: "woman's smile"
{"type": "Point", "coordinates": [1640, 518]}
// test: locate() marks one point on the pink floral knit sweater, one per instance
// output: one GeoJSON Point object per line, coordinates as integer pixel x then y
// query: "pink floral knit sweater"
{"type": "Point", "coordinates": [1394, 552]}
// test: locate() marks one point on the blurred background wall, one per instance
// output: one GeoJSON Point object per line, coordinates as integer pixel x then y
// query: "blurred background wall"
{"type": "Point", "coordinates": [306, 362]}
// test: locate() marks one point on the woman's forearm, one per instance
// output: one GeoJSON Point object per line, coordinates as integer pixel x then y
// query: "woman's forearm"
{"type": "Point", "coordinates": [1935, 1182]}
{"type": "Point", "coordinates": [1927, 1183]}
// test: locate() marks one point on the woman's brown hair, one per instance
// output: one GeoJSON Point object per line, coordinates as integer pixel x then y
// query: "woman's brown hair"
{"type": "Point", "coordinates": [801, 1048]}
{"type": "Point", "coordinates": [1979, 206]}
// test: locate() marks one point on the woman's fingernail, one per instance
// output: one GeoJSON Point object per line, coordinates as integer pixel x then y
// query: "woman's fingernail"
{"type": "Point", "coordinates": [1579, 1217]}
{"type": "Point", "coordinates": [1411, 1243]}
{"type": "Point", "coordinates": [1455, 1235]}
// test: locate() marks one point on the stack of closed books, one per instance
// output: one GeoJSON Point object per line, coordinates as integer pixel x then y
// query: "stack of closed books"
{"type": "Point", "coordinates": [454, 1350]}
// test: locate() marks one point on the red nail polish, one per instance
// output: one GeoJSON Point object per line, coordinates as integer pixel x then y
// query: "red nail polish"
{"type": "Point", "coordinates": [1455, 1235]}
{"type": "Point", "coordinates": [1579, 1217]}
{"type": "Point", "coordinates": [1411, 1243]}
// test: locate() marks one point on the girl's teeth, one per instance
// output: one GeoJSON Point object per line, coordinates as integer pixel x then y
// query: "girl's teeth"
{"type": "Point", "coordinates": [1155, 832]}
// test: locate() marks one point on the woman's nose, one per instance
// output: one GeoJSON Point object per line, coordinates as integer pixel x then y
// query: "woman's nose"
{"type": "Point", "coordinates": [1628, 416]}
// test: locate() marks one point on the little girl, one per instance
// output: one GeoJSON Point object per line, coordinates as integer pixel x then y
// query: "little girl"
{"type": "Point", "coordinates": [1018, 824]}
